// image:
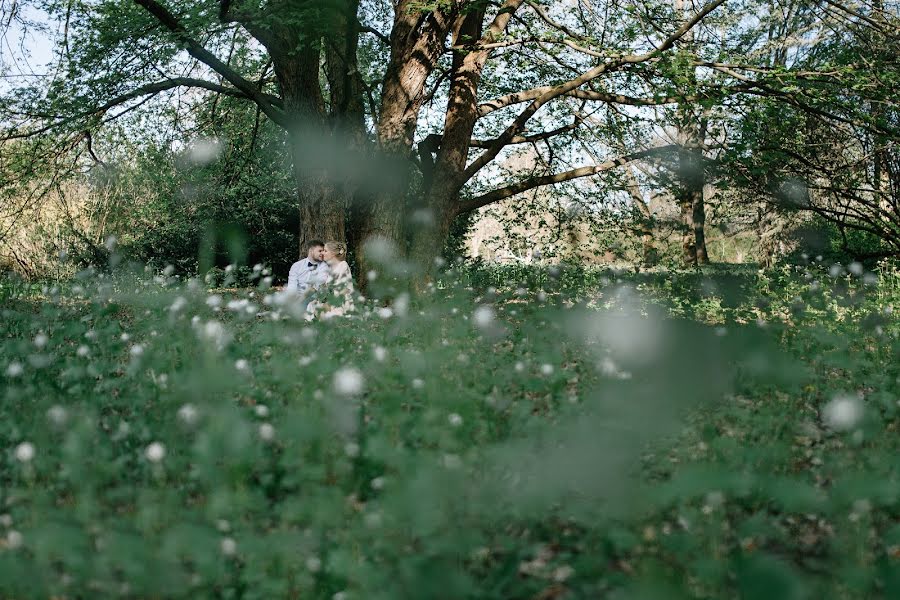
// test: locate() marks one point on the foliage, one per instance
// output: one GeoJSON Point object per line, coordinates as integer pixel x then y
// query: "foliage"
{"type": "Point", "coordinates": [507, 435]}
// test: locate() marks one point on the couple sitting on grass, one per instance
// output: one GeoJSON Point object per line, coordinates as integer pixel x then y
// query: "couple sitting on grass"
{"type": "Point", "coordinates": [323, 280]}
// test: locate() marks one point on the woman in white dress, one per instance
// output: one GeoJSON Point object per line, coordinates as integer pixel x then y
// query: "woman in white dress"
{"type": "Point", "coordinates": [338, 287]}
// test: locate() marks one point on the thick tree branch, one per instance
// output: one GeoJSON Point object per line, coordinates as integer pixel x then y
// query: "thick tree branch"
{"type": "Point", "coordinates": [196, 50]}
{"type": "Point", "coordinates": [529, 139]}
{"type": "Point", "coordinates": [529, 184]}
{"type": "Point", "coordinates": [528, 95]}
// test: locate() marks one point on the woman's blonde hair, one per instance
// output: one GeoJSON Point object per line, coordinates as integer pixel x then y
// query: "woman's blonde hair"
{"type": "Point", "coordinates": [339, 249]}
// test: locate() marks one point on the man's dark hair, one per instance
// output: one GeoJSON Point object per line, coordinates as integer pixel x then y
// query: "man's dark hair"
{"type": "Point", "coordinates": [313, 243]}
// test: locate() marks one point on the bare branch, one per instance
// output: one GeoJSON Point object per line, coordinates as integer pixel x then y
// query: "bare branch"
{"type": "Point", "coordinates": [195, 49]}
{"type": "Point", "coordinates": [529, 184]}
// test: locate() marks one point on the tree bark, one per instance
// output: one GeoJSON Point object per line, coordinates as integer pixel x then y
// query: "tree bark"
{"type": "Point", "coordinates": [417, 42]}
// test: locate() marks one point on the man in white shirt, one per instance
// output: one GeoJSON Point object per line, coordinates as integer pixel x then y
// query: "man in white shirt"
{"type": "Point", "coordinates": [309, 273]}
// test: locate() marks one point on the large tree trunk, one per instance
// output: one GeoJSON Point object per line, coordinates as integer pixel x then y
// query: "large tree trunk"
{"type": "Point", "coordinates": [691, 180]}
{"type": "Point", "coordinates": [417, 42]}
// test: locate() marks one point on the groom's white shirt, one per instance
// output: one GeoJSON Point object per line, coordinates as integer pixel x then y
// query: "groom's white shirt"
{"type": "Point", "coordinates": [306, 274]}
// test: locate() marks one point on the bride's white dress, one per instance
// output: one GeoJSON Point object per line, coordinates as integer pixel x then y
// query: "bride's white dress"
{"type": "Point", "coordinates": [338, 284]}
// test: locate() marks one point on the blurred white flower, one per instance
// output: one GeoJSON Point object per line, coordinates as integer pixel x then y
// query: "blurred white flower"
{"type": "Point", "coordinates": [214, 301]}
{"type": "Point", "coordinates": [377, 483]}
{"type": "Point", "coordinates": [188, 414]}
{"type": "Point", "coordinates": [313, 564]}
{"type": "Point", "coordinates": [83, 351]}
{"type": "Point", "coordinates": [261, 410]}
{"type": "Point", "coordinates": [835, 270]}
{"type": "Point", "coordinates": [348, 381]}
{"type": "Point", "coordinates": [843, 412]}
{"type": "Point", "coordinates": [372, 275]}
{"type": "Point", "coordinates": [351, 449]}
{"type": "Point", "coordinates": [452, 461]}
{"type": "Point", "coordinates": [519, 366]}
{"type": "Point", "coordinates": [455, 419]}
{"type": "Point", "coordinates": [57, 415]}
{"type": "Point", "coordinates": [228, 546]}
{"type": "Point", "coordinates": [178, 304]}
{"type": "Point", "coordinates": [40, 340]}
{"type": "Point", "coordinates": [418, 383]}
{"type": "Point", "coordinates": [266, 432]}
{"type": "Point", "coordinates": [546, 369]}
{"type": "Point", "coordinates": [856, 268]}
{"type": "Point", "coordinates": [15, 369]}
{"type": "Point", "coordinates": [25, 452]}
{"type": "Point", "coordinates": [137, 350]}
{"type": "Point", "coordinates": [215, 334]}
{"type": "Point", "coordinates": [385, 312]}
{"type": "Point", "coordinates": [380, 353]}
{"type": "Point", "coordinates": [13, 539]}
{"type": "Point", "coordinates": [204, 151]}
{"type": "Point", "coordinates": [155, 452]}
{"type": "Point", "coordinates": [483, 316]}
{"type": "Point", "coordinates": [125, 337]}
{"type": "Point", "coordinates": [242, 365]}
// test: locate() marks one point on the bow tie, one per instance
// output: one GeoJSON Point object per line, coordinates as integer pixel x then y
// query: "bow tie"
{"type": "Point", "coordinates": [314, 266]}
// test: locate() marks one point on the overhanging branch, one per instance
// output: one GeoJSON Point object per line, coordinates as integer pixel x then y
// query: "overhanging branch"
{"type": "Point", "coordinates": [523, 186]}
{"type": "Point", "coordinates": [195, 49]}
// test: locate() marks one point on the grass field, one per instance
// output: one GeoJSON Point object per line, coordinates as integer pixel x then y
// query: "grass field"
{"type": "Point", "coordinates": [512, 433]}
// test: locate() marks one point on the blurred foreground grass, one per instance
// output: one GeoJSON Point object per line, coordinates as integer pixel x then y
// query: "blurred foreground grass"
{"type": "Point", "coordinates": [513, 433]}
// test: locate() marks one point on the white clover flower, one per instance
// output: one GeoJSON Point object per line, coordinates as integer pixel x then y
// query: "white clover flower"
{"type": "Point", "coordinates": [380, 353]}
{"type": "Point", "coordinates": [40, 340]}
{"type": "Point", "coordinates": [546, 369]}
{"type": "Point", "coordinates": [228, 546]}
{"type": "Point", "coordinates": [843, 412]}
{"type": "Point", "coordinates": [15, 369]}
{"type": "Point", "coordinates": [25, 452]}
{"type": "Point", "coordinates": [348, 381]}
{"type": "Point", "coordinates": [57, 415]}
{"type": "Point", "coordinates": [835, 270]}
{"type": "Point", "coordinates": [137, 351]}
{"type": "Point", "coordinates": [215, 333]}
{"type": "Point", "coordinates": [178, 304]}
{"type": "Point", "coordinates": [483, 316]}
{"type": "Point", "coordinates": [238, 305]}
{"type": "Point", "coordinates": [188, 414]}
{"type": "Point", "coordinates": [261, 410]}
{"type": "Point", "coordinates": [455, 419]}
{"type": "Point", "coordinates": [266, 432]}
{"type": "Point", "coordinates": [351, 449]}
{"type": "Point", "coordinates": [385, 312]}
{"type": "Point", "coordinates": [83, 351]}
{"type": "Point", "coordinates": [125, 337]}
{"type": "Point", "coordinates": [452, 461]}
{"type": "Point", "coordinates": [242, 365]}
{"type": "Point", "coordinates": [14, 539]}
{"type": "Point", "coordinates": [314, 564]}
{"type": "Point", "coordinates": [155, 452]}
